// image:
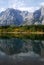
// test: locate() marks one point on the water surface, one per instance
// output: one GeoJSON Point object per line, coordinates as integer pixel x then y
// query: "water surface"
{"type": "Point", "coordinates": [15, 50]}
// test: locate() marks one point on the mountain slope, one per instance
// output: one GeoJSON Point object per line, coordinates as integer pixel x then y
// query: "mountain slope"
{"type": "Point", "coordinates": [36, 18]}
{"type": "Point", "coordinates": [12, 17]}
{"type": "Point", "coordinates": [15, 17]}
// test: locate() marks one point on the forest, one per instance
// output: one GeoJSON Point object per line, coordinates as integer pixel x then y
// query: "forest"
{"type": "Point", "coordinates": [30, 28]}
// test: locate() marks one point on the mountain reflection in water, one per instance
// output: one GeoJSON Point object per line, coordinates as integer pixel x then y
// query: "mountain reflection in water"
{"type": "Point", "coordinates": [14, 46]}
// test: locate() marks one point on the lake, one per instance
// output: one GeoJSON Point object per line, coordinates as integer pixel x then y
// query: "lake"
{"type": "Point", "coordinates": [21, 51]}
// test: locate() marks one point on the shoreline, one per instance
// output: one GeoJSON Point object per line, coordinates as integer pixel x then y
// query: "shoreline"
{"type": "Point", "coordinates": [23, 32]}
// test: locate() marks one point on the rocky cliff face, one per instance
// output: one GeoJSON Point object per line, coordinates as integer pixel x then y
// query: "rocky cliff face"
{"type": "Point", "coordinates": [35, 18]}
{"type": "Point", "coordinates": [15, 17]}
{"type": "Point", "coordinates": [12, 17]}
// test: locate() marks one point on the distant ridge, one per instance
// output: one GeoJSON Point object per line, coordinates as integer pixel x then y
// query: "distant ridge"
{"type": "Point", "coordinates": [16, 17]}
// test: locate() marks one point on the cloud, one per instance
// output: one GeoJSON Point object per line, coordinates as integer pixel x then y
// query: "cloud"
{"type": "Point", "coordinates": [2, 9]}
{"type": "Point", "coordinates": [42, 4]}
{"type": "Point", "coordinates": [23, 7]}
{"type": "Point", "coordinates": [30, 9]}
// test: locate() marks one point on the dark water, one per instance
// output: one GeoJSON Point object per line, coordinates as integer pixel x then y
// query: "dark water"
{"type": "Point", "coordinates": [19, 49]}
{"type": "Point", "coordinates": [14, 46]}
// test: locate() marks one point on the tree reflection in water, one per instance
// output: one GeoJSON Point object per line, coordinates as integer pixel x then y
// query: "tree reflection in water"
{"type": "Point", "coordinates": [15, 45]}
{"type": "Point", "coordinates": [37, 45]}
{"type": "Point", "coordinates": [11, 46]}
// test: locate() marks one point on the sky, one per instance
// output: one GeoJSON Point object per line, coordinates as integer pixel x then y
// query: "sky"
{"type": "Point", "coordinates": [28, 5]}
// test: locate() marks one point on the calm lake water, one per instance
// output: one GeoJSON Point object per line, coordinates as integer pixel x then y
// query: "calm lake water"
{"type": "Point", "coordinates": [19, 49]}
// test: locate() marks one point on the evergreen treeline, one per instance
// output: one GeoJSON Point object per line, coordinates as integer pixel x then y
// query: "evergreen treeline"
{"type": "Point", "coordinates": [32, 28]}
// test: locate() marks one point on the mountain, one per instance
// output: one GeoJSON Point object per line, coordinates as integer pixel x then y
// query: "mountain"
{"type": "Point", "coordinates": [28, 19]}
{"type": "Point", "coordinates": [12, 17]}
{"type": "Point", "coordinates": [16, 17]}
{"type": "Point", "coordinates": [36, 17]}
